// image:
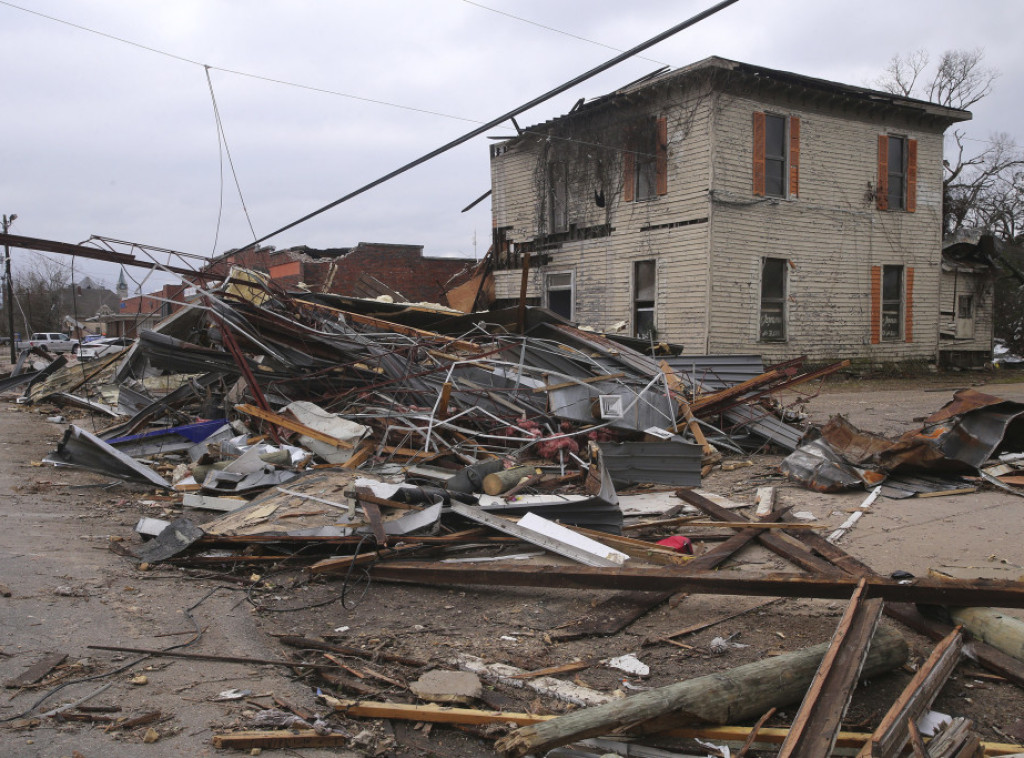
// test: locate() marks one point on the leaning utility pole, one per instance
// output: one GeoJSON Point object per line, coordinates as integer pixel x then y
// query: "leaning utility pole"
{"type": "Point", "coordinates": [9, 293]}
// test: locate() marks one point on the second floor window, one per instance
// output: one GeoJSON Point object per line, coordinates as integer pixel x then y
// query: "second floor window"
{"type": "Point", "coordinates": [897, 174]}
{"type": "Point", "coordinates": [776, 155]}
{"type": "Point", "coordinates": [645, 161]}
{"type": "Point", "coordinates": [558, 197]}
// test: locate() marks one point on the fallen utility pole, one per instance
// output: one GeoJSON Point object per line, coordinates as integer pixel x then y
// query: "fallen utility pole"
{"type": "Point", "coordinates": [997, 593]}
{"type": "Point", "coordinates": [741, 693]}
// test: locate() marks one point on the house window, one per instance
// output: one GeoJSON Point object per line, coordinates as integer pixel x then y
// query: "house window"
{"type": "Point", "coordinates": [776, 155]}
{"type": "Point", "coordinates": [773, 300]}
{"type": "Point", "coordinates": [897, 174]}
{"type": "Point", "coordinates": [645, 161]}
{"type": "Point", "coordinates": [964, 317]}
{"type": "Point", "coordinates": [892, 303]}
{"type": "Point", "coordinates": [558, 198]}
{"type": "Point", "coordinates": [644, 289]}
{"type": "Point", "coordinates": [558, 293]}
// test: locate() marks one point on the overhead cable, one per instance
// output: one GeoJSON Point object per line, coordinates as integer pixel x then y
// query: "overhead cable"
{"type": "Point", "coordinates": [511, 114]}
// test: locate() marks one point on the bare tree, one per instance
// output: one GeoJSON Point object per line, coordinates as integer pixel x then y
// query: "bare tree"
{"type": "Point", "coordinates": [977, 183]}
{"type": "Point", "coordinates": [39, 293]}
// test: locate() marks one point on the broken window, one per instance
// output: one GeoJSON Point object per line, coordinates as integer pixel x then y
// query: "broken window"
{"type": "Point", "coordinates": [892, 303]}
{"type": "Point", "coordinates": [773, 300]}
{"type": "Point", "coordinates": [644, 289]}
{"type": "Point", "coordinates": [558, 293]}
{"type": "Point", "coordinates": [776, 155]}
{"type": "Point", "coordinates": [645, 161]}
{"type": "Point", "coordinates": [558, 196]}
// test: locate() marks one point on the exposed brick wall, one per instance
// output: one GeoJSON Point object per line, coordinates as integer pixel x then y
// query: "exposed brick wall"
{"type": "Point", "coordinates": [154, 301]}
{"type": "Point", "coordinates": [400, 267]}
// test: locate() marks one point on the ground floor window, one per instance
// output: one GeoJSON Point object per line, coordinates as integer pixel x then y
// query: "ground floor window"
{"type": "Point", "coordinates": [558, 293]}
{"type": "Point", "coordinates": [773, 300]}
{"type": "Point", "coordinates": [892, 303]}
{"type": "Point", "coordinates": [644, 289]}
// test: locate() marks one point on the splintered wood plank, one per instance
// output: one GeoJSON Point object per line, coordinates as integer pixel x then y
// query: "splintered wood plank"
{"type": "Point", "coordinates": [279, 738]}
{"type": "Point", "coordinates": [779, 544]}
{"type": "Point", "coordinates": [611, 615]}
{"type": "Point", "coordinates": [891, 736]}
{"type": "Point", "coordinates": [37, 670]}
{"type": "Point", "coordinates": [817, 723]}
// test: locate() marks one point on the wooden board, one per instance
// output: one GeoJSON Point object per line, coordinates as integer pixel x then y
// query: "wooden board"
{"type": "Point", "coordinates": [37, 670]}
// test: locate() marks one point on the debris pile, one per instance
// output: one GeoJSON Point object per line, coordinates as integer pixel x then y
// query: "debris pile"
{"type": "Point", "coordinates": [356, 438]}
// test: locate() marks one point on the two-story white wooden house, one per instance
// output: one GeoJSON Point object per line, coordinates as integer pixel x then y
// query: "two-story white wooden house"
{"type": "Point", "coordinates": [733, 209]}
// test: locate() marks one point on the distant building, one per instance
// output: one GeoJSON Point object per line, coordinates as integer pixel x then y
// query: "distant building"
{"type": "Point", "coordinates": [368, 270]}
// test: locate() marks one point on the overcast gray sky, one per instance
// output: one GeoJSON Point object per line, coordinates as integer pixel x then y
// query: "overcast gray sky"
{"type": "Point", "coordinates": [102, 137]}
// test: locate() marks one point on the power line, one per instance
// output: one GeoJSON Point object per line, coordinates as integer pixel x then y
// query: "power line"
{"type": "Point", "coordinates": [512, 114]}
{"type": "Point", "coordinates": [556, 31]}
{"type": "Point", "coordinates": [236, 72]}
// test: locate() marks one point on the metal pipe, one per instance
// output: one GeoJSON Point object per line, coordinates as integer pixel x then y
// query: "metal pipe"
{"type": "Point", "coordinates": [9, 294]}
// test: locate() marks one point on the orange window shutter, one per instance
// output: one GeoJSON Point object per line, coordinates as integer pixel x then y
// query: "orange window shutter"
{"type": "Point", "coordinates": [661, 159]}
{"type": "Point", "coordinates": [759, 131]}
{"type": "Point", "coordinates": [628, 176]}
{"type": "Point", "coordinates": [911, 176]}
{"type": "Point", "coordinates": [908, 332]}
{"type": "Point", "coordinates": [876, 304]}
{"type": "Point", "coordinates": [794, 156]}
{"type": "Point", "coordinates": [882, 188]}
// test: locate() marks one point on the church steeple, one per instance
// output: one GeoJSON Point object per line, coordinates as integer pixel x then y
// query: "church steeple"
{"type": "Point", "coordinates": [122, 285]}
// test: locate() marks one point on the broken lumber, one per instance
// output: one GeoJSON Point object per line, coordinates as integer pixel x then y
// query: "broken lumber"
{"type": "Point", "coordinates": [307, 643]}
{"type": "Point", "coordinates": [741, 693]}
{"type": "Point", "coordinates": [994, 592]}
{"type": "Point", "coordinates": [817, 723]}
{"type": "Point", "coordinates": [994, 660]}
{"type": "Point", "coordinates": [37, 670]}
{"type": "Point", "coordinates": [891, 736]}
{"type": "Point", "coordinates": [279, 738]}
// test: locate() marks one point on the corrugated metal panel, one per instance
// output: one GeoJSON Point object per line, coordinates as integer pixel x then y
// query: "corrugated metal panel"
{"type": "Point", "coordinates": [715, 372]}
{"type": "Point", "coordinates": [671, 463]}
{"type": "Point", "coordinates": [764, 424]}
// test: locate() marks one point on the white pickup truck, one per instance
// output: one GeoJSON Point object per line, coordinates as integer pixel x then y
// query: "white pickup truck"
{"type": "Point", "coordinates": [55, 342]}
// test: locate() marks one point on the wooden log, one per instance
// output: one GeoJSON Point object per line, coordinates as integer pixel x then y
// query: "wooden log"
{"type": "Point", "coordinates": [501, 481]}
{"type": "Point", "coordinates": [995, 628]}
{"type": "Point", "coordinates": [741, 693]}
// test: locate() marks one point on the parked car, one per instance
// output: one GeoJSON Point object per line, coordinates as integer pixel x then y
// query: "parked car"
{"type": "Point", "coordinates": [55, 342]}
{"type": "Point", "coordinates": [103, 347]}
